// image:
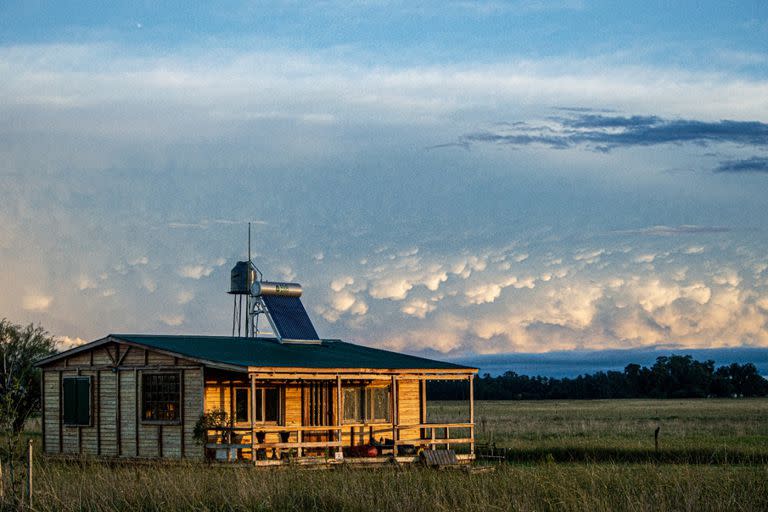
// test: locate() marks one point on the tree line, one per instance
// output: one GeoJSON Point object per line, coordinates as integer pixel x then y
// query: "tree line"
{"type": "Point", "coordinates": [669, 377]}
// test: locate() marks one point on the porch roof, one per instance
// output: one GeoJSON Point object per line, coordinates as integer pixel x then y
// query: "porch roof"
{"type": "Point", "coordinates": [268, 352]}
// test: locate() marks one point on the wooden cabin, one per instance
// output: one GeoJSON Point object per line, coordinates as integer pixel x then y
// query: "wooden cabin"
{"type": "Point", "coordinates": [260, 400]}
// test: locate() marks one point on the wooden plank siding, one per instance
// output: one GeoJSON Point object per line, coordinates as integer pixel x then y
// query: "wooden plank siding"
{"type": "Point", "coordinates": [116, 429]}
{"type": "Point", "coordinates": [408, 407]}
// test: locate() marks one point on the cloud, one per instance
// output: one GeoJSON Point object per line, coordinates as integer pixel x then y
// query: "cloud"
{"type": "Point", "coordinates": [419, 308]}
{"type": "Point", "coordinates": [589, 256]}
{"type": "Point", "coordinates": [36, 302]}
{"type": "Point", "coordinates": [195, 271]}
{"type": "Point", "coordinates": [605, 133]}
{"type": "Point", "coordinates": [67, 342]}
{"type": "Point", "coordinates": [142, 260]}
{"type": "Point", "coordinates": [200, 270]}
{"type": "Point", "coordinates": [172, 320]}
{"type": "Point", "coordinates": [755, 164]}
{"type": "Point", "coordinates": [206, 223]}
{"type": "Point", "coordinates": [149, 284]}
{"type": "Point", "coordinates": [340, 283]}
{"type": "Point", "coordinates": [184, 297]}
{"type": "Point", "coordinates": [392, 288]}
{"type": "Point", "coordinates": [86, 283]}
{"type": "Point", "coordinates": [684, 229]}
{"type": "Point", "coordinates": [645, 258]}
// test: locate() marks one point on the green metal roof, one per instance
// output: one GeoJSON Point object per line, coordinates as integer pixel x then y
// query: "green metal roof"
{"type": "Point", "coordinates": [268, 352]}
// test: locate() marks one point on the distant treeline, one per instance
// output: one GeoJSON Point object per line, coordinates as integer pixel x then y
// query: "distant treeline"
{"type": "Point", "coordinates": [669, 377]}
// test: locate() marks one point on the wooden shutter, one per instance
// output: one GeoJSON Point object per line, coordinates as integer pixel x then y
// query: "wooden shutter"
{"type": "Point", "coordinates": [77, 400]}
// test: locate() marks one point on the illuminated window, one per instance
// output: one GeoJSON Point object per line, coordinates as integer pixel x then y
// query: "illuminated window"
{"type": "Point", "coordinates": [161, 397]}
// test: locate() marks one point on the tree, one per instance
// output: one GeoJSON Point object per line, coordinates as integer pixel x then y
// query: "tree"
{"type": "Point", "coordinates": [20, 347]}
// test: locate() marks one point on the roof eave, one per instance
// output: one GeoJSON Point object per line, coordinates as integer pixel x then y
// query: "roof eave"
{"type": "Point", "coordinates": [116, 339]}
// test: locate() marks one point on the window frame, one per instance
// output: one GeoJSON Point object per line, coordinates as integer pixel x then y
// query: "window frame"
{"type": "Point", "coordinates": [262, 390]}
{"type": "Point", "coordinates": [249, 405]}
{"type": "Point", "coordinates": [77, 378]}
{"type": "Point", "coordinates": [180, 416]}
{"type": "Point", "coordinates": [367, 404]}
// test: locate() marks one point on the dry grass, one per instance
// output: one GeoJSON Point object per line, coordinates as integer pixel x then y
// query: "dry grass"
{"type": "Point", "coordinates": [539, 484]}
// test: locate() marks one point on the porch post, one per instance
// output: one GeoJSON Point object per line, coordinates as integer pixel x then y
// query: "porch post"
{"type": "Point", "coordinates": [395, 421]}
{"type": "Point", "coordinates": [252, 416]}
{"type": "Point", "coordinates": [423, 406]}
{"type": "Point", "coordinates": [339, 412]}
{"type": "Point", "coordinates": [472, 413]}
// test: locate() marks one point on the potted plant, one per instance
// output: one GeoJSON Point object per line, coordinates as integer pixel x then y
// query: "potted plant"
{"type": "Point", "coordinates": [217, 420]}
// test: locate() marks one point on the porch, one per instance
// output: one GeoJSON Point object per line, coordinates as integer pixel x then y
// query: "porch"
{"type": "Point", "coordinates": [293, 417]}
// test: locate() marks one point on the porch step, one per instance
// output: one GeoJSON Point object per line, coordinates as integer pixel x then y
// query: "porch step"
{"type": "Point", "coordinates": [439, 458]}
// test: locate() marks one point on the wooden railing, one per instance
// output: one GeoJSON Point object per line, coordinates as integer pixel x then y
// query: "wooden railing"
{"type": "Point", "coordinates": [430, 435]}
{"type": "Point", "coordinates": [434, 434]}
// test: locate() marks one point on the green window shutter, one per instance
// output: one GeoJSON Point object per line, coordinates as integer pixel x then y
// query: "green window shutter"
{"type": "Point", "coordinates": [70, 401]}
{"type": "Point", "coordinates": [77, 400]}
{"type": "Point", "coordinates": [84, 401]}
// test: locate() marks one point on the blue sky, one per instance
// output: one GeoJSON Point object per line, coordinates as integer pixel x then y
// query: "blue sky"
{"type": "Point", "coordinates": [444, 178]}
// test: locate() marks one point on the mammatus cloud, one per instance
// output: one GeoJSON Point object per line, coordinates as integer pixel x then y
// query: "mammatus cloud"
{"type": "Point", "coordinates": [605, 133]}
{"type": "Point", "coordinates": [755, 164]}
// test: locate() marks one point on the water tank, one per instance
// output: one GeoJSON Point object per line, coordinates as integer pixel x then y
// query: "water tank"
{"type": "Point", "coordinates": [242, 278]}
{"type": "Point", "coordinates": [272, 288]}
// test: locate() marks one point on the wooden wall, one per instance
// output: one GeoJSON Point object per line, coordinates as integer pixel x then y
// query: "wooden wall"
{"type": "Point", "coordinates": [116, 428]}
{"type": "Point", "coordinates": [409, 407]}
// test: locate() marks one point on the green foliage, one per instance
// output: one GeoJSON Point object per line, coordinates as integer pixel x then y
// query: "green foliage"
{"type": "Point", "coordinates": [210, 420]}
{"type": "Point", "coordinates": [20, 347]}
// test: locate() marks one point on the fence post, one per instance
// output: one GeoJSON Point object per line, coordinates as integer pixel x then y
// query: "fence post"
{"type": "Point", "coordinates": [29, 472]}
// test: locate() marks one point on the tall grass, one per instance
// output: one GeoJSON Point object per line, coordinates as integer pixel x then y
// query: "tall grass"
{"type": "Point", "coordinates": [542, 435]}
{"type": "Point", "coordinates": [97, 487]}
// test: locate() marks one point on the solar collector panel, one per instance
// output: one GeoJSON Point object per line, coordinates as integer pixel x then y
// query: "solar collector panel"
{"type": "Point", "coordinates": [289, 317]}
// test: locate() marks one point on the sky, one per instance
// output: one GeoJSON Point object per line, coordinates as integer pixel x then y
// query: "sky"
{"type": "Point", "coordinates": [450, 179]}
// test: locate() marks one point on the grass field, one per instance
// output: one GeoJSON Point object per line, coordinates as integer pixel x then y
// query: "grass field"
{"type": "Point", "coordinates": [698, 431]}
{"type": "Point", "coordinates": [569, 455]}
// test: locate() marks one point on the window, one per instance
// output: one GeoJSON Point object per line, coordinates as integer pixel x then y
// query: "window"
{"type": "Point", "coordinates": [378, 404]}
{"type": "Point", "coordinates": [77, 400]}
{"type": "Point", "coordinates": [161, 397]}
{"type": "Point", "coordinates": [241, 405]}
{"type": "Point", "coordinates": [353, 404]}
{"type": "Point", "coordinates": [366, 404]}
{"type": "Point", "coordinates": [267, 405]}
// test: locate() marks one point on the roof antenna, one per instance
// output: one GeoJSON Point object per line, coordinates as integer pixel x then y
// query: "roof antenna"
{"type": "Point", "coordinates": [249, 242]}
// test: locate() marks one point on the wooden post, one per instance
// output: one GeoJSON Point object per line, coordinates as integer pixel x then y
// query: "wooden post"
{"type": "Point", "coordinates": [29, 473]}
{"type": "Point", "coordinates": [423, 407]}
{"type": "Point", "coordinates": [656, 438]}
{"type": "Point", "coordinates": [118, 424]}
{"type": "Point", "coordinates": [252, 416]}
{"type": "Point", "coordinates": [2, 484]}
{"type": "Point", "coordinates": [136, 405]}
{"type": "Point", "coordinates": [472, 413]}
{"type": "Point", "coordinates": [42, 418]}
{"type": "Point", "coordinates": [61, 412]}
{"type": "Point", "coordinates": [182, 411]}
{"type": "Point", "coordinates": [394, 416]}
{"type": "Point", "coordinates": [97, 410]}
{"type": "Point", "coordinates": [339, 412]}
